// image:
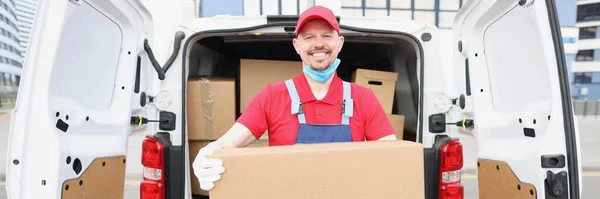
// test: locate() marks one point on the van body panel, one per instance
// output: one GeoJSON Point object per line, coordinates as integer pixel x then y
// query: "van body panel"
{"type": "Point", "coordinates": [75, 99]}
{"type": "Point", "coordinates": [509, 64]}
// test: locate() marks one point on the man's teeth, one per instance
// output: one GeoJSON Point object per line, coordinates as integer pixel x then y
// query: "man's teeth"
{"type": "Point", "coordinates": [318, 54]}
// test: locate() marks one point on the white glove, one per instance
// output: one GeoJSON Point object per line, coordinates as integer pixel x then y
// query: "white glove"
{"type": "Point", "coordinates": [208, 170]}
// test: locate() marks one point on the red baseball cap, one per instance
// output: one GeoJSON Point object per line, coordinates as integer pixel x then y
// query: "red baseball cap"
{"type": "Point", "coordinates": [317, 12]}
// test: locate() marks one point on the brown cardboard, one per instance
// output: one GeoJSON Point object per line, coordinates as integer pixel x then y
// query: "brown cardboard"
{"type": "Point", "coordinates": [210, 107]}
{"type": "Point", "coordinates": [397, 122]}
{"type": "Point", "coordinates": [382, 83]}
{"type": "Point", "coordinates": [194, 147]}
{"type": "Point", "coordinates": [377, 169]}
{"type": "Point", "coordinates": [259, 143]}
{"type": "Point", "coordinates": [256, 74]}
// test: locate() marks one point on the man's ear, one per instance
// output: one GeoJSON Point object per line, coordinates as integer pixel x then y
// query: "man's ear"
{"type": "Point", "coordinates": [341, 43]}
{"type": "Point", "coordinates": [295, 43]}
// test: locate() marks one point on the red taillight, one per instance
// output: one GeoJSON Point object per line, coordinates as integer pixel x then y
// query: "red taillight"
{"type": "Point", "coordinates": [151, 190]}
{"type": "Point", "coordinates": [153, 161]}
{"type": "Point", "coordinates": [451, 156]}
{"type": "Point", "coordinates": [451, 162]}
{"type": "Point", "coordinates": [452, 191]}
{"type": "Point", "coordinates": [152, 153]}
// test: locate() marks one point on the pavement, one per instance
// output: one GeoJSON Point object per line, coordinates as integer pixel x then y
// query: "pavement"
{"type": "Point", "coordinates": [590, 146]}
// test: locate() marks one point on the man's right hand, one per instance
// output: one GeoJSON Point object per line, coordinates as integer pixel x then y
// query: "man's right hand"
{"type": "Point", "coordinates": [208, 170]}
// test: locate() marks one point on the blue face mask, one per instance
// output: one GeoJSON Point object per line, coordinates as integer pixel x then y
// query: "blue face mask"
{"type": "Point", "coordinates": [321, 76]}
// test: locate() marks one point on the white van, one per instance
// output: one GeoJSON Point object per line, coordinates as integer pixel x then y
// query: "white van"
{"type": "Point", "coordinates": [90, 68]}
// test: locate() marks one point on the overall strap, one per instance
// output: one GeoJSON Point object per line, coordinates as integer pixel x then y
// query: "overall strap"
{"type": "Point", "coordinates": [296, 103]}
{"type": "Point", "coordinates": [347, 104]}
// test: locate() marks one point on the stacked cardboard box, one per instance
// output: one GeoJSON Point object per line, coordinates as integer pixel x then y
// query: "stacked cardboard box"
{"type": "Point", "coordinates": [255, 74]}
{"type": "Point", "coordinates": [383, 84]}
{"type": "Point", "coordinates": [210, 113]}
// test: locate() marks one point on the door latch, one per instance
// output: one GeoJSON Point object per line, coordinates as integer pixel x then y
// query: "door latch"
{"type": "Point", "coordinates": [437, 123]}
{"type": "Point", "coordinates": [165, 123]}
{"type": "Point", "coordinates": [555, 185]}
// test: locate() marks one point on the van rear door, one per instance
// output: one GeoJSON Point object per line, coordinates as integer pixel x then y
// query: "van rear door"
{"type": "Point", "coordinates": [69, 130]}
{"type": "Point", "coordinates": [509, 64]}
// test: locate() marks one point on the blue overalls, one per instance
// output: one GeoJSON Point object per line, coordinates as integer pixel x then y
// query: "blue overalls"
{"type": "Point", "coordinates": [322, 133]}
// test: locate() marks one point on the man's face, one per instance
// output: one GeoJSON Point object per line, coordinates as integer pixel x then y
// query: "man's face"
{"type": "Point", "coordinates": [318, 44]}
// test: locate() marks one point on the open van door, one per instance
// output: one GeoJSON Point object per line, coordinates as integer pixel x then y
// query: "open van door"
{"type": "Point", "coordinates": [69, 130]}
{"type": "Point", "coordinates": [509, 66]}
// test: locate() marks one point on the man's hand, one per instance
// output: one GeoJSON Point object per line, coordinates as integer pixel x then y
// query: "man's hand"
{"type": "Point", "coordinates": [208, 170]}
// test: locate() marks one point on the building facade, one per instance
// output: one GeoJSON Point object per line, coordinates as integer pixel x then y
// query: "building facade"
{"type": "Point", "coordinates": [25, 10]}
{"type": "Point", "coordinates": [586, 70]}
{"type": "Point", "coordinates": [11, 57]}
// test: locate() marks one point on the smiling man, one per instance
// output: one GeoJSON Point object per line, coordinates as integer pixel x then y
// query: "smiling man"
{"type": "Point", "coordinates": [314, 107]}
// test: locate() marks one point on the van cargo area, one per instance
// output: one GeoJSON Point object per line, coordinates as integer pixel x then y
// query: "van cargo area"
{"type": "Point", "coordinates": [221, 57]}
{"type": "Point", "coordinates": [225, 72]}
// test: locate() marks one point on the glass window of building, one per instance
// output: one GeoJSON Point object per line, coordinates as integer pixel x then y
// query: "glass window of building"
{"type": "Point", "coordinates": [585, 55]}
{"type": "Point", "coordinates": [376, 4]}
{"type": "Point", "coordinates": [425, 16]}
{"type": "Point", "coordinates": [401, 14]}
{"type": "Point", "coordinates": [588, 32]}
{"type": "Point", "coordinates": [449, 5]}
{"type": "Point", "coordinates": [425, 4]}
{"type": "Point", "coordinates": [588, 12]}
{"type": "Point", "coordinates": [583, 78]}
{"type": "Point", "coordinates": [404, 4]}
{"type": "Point", "coordinates": [352, 3]}
{"type": "Point", "coordinates": [376, 12]}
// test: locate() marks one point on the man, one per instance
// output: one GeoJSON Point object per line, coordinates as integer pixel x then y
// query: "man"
{"type": "Point", "coordinates": [314, 107]}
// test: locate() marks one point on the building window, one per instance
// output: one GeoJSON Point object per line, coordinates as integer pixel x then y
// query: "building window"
{"type": "Point", "coordinates": [588, 12]}
{"type": "Point", "coordinates": [585, 55]}
{"type": "Point", "coordinates": [583, 78]}
{"type": "Point", "coordinates": [587, 32]}
{"type": "Point", "coordinates": [437, 12]}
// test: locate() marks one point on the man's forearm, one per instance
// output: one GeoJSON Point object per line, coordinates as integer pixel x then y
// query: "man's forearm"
{"type": "Point", "coordinates": [389, 137]}
{"type": "Point", "coordinates": [237, 136]}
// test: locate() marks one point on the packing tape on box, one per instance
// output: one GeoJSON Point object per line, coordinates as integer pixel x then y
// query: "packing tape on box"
{"type": "Point", "coordinates": [207, 105]}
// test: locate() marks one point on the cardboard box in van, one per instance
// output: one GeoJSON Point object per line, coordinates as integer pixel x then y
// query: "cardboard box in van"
{"type": "Point", "coordinates": [377, 169]}
{"type": "Point", "coordinates": [255, 74]}
{"type": "Point", "coordinates": [382, 83]}
{"type": "Point", "coordinates": [210, 107]}
{"type": "Point", "coordinates": [397, 122]}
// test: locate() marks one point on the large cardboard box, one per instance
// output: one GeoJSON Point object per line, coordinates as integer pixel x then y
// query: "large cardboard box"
{"type": "Point", "coordinates": [194, 147]}
{"type": "Point", "coordinates": [382, 83]}
{"type": "Point", "coordinates": [397, 122]}
{"type": "Point", "coordinates": [256, 74]}
{"type": "Point", "coordinates": [378, 169]}
{"type": "Point", "coordinates": [210, 107]}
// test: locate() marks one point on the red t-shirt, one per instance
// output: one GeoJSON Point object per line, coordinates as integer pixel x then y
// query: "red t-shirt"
{"type": "Point", "coordinates": [271, 110]}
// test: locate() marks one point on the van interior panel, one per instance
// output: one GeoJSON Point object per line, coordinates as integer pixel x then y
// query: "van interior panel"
{"type": "Point", "coordinates": [219, 56]}
{"type": "Point", "coordinates": [497, 180]}
{"type": "Point", "coordinates": [102, 175]}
